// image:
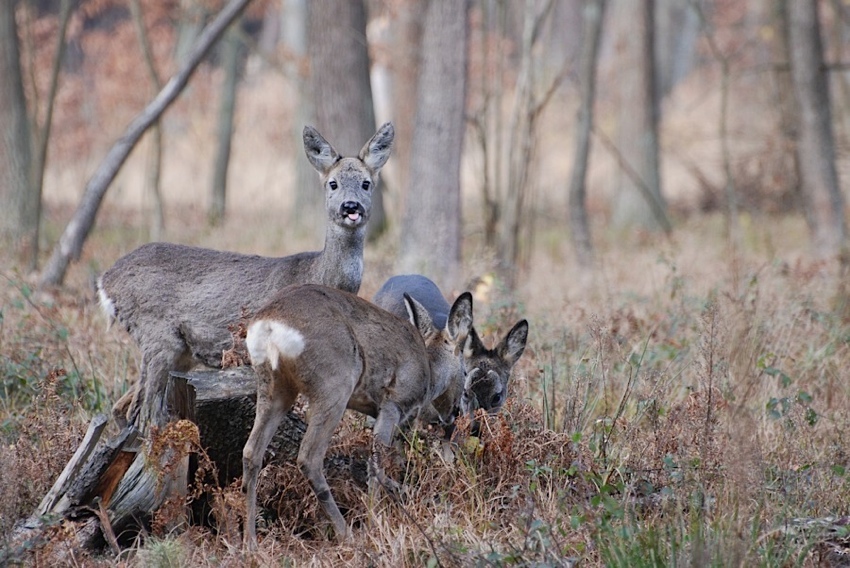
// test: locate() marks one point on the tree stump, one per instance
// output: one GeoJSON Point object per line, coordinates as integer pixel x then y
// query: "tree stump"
{"type": "Point", "coordinates": [114, 487]}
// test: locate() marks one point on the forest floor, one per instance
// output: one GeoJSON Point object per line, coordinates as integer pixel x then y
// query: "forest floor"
{"type": "Point", "coordinates": [686, 402]}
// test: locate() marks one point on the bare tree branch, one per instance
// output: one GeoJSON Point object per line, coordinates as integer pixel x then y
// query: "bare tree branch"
{"type": "Point", "coordinates": [71, 243]}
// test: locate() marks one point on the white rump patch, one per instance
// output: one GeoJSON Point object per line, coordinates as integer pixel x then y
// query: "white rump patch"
{"type": "Point", "coordinates": [106, 304]}
{"type": "Point", "coordinates": [269, 340]}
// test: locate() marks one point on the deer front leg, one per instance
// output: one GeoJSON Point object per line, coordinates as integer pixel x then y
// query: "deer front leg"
{"type": "Point", "coordinates": [382, 435]}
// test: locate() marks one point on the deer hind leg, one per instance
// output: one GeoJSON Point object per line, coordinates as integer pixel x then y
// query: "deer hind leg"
{"type": "Point", "coordinates": [274, 399]}
{"type": "Point", "coordinates": [325, 414]}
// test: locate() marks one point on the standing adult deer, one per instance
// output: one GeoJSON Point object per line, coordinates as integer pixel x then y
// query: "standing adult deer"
{"type": "Point", "coordinates": [177, 301]}
{"type": "Point", "coordinates": [483, 374]}
{"type": "Point", "coordinates": [341, 351]}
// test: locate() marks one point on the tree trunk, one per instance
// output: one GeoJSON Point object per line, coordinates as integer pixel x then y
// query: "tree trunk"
{"type": "Point", "coordinates": [405, 62]}
{"type": "Point", "coordinates": [231, 51]}
{"type": "Point", "coordinates": [308, 213]}
{"type": "Point", "coordinates": [154, 167]}
{"type": "Point", "coordinates": [579, 226]}
{"type": "Point", "coordinates": [16, 215]}
{"type": "Point", "coordinates": [43, 133]}
{"type": "Point", "coordinates": [637, 207]}
{"type": "Point", "coordinates": [70, 244]}
{"type": "Point", "coordinates": [339, 74]}
{"type": "Point", "coordinates": [431, 239]}
{"type": "Point", "coordinates": [192, 16]}
{"type": "Point", "coordinates": [816, 147]}
{"type": "Point", "coordinates": [785, 101]}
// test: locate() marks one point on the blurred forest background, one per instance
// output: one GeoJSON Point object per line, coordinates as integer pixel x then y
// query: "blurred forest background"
{"type": "Point", "coordinates": [630, 116]}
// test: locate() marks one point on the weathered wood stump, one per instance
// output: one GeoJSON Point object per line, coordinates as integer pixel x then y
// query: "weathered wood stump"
{"type": "Point", "coordinates": [113, 487]}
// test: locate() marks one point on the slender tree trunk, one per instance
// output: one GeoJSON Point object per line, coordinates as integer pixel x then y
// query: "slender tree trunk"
{"type": "Point", "coordinates": [70, 244]}
{"type": "Point", "coordinates": [816, 147]}
{"type": "Point", "coordinates": [307, 214]}
{"type": "Point", "coordinates": [431, 241]}
{"type": "Point", "coordinates": [786, 103]}
{"type": "Point", "coordinates": [230, 49]}
{"type": "Point", "coordinates": [154, 167]}
{"type": "Point", "coordinates": [193, 14]}
{"type": "Point", "coordinates": [635, 206]}
{"type": "Point", "coordinates": [16, 217]}
{"type": "Point", "coordinates": [732, 223]}
{"type": "Point", "coordinates": [579, 227]}
{"type": "Point", "coordinates": [339, 73]}
{"type": "Point", "coordinates": [43, 132]}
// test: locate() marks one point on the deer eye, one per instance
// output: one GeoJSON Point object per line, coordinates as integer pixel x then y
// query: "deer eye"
{"type": "Point", "coordinates": [333, 184]}
{"type": "Point", "coordinates": [366, 184]}
{"type": "Point", "coordinates": [496, 400]}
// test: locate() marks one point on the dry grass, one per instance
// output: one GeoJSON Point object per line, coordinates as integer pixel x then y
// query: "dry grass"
{"type": "Point", "coordinates": [679, 405]}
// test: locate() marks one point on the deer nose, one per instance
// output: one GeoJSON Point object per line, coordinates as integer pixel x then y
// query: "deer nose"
{"type": "Point", "coordinates": [349, 207]}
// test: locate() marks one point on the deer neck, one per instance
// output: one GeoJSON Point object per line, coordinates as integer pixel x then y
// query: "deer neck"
{"type": "Point", "coordinates": [340, 264]}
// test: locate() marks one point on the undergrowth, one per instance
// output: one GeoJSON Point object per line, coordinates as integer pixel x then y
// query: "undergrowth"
{"type": "Point", "coordinates": [682, 425]}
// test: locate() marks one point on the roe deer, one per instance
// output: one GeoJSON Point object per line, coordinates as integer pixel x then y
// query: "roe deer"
{"type": "Point", "coordinates": [340, 351]}
{"type": "Point", "coordinates": [177, 301]}
{"type": "Point", "coordinates": [483, 374]}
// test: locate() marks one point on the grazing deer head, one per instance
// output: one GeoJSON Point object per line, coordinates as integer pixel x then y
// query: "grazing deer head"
{"type": "Point", "coordinates": [482, 375]}
{"type": "Point", "coordinates": [340, 351]}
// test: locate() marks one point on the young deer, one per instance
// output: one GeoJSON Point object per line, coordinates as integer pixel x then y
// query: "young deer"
{"type": "Point", "coordinates": [483, 374]}
{"type": "Point", "coordinates": [341, 351]}
{"type": "Point", "coordinates": [177, 301]}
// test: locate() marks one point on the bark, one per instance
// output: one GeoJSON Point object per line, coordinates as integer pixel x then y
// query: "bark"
{"type": "Point", "coordinates": [637, 207]}
{"type": "Point", "coordinates": [71, 242]}
{"type": "Point", "coordinates": [816, 146]}
{"type": "Point", "coordinates": [431, 240]}
{"type": "Point", "coordinates": [579, 225]}
{"type": "Point", "coordinates": [339, 78]}
{"type": "Point", "coordinates": [231, 52]}
{"type": "Point", "coordinates": [16, 220]}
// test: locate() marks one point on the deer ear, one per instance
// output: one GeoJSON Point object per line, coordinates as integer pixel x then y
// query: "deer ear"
{"type": "Point", "coordinates": [513, 345]}
{"type": "Point", "coordinates": [321, 154]}
{"type": "Point", "coordinates": [473, 345]}
{"type": "Point", "coordinates": [459, 321]}
{"type": "Point", "coordinates": [419, 316]}
{"type": "Point", "coordinates": [376, 151]}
